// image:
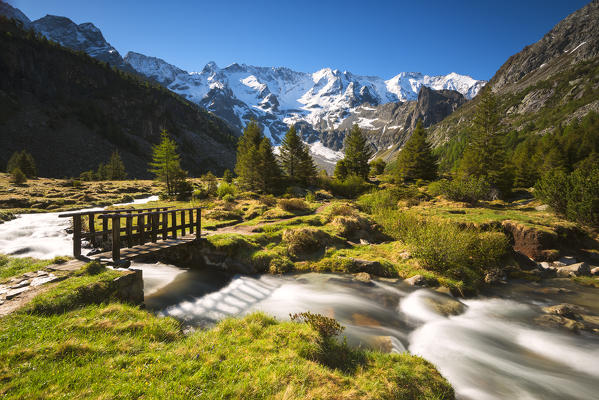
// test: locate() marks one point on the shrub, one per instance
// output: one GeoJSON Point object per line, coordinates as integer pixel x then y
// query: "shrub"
{"type": "Point", "coordinates": [17, 176]}
{"type": "Point", "coordinates": [302, 241]}
{"type": "Point", "coordinates": [24, 161]}
{"type": "Point", "coordinates": [293, 205]}
{"type": "Point", "coordinates": [325, 326]}
{"type": "Point", "coordinates": [224, 215]}
{"type": "Point", "coordinates": [350, 187]}
{"type": "Point", "coordinates": [209, 183]}
{"type": "Point", "coordinates": [228, 198]}
{"type": "Point", "coordinates": [268, 200]}
{"type": "Point", "coordinates": [310, 197]}
{"type": "Point", "coordinates": [377, 167]}
{"type": "Point", "coordinates": [575, 196]}
{"type": "Point", "coordinates": [225, 189]}
{"type": "Point", "coordinates": [228, 176]}
{"type": "Point", "coordinates": [470, 189]}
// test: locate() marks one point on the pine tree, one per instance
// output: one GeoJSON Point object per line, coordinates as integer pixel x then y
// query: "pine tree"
{"type": "Point", "coordinates": [291, 149]}
{"type": "Point", "coordinates": [340, 172]}
{"type": "Point", "coordinates": [228, 176]}
{"type": "Point", "coordinates": [357, 153]}
{"type": "Point", "coordinates": [267, 163]}
{"type": "Point", "coordinates": [256, 167]}
{"type": "Point", "coordinates": [166, 164]}
{"type": "Point", "coordinates": [246, 167]}
{"type": "Point", "coordinates": [307, 172]}
{"type": "Point", "coordinates": [416, 159]}
{"type": "Point", "coordinates": [24, 161]}
{"type": "Point", "coordinates": [484, 155]}
{"type": "Point", "coordinates": [115, 169]}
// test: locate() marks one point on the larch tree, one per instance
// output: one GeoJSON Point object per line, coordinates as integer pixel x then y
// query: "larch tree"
{"type": "Point", "coordinates": [296, 161]}
{"type": "Point", "coordinates": [357, 153]}
{"type": "Point", "coordinates": [416, 159]}
{"type": "Point", "coordinates": [166, 163]}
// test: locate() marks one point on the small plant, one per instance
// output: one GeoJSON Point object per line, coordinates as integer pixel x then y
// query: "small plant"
{"type": "Point", "coordinates": [228, 176]}
{"type": "Point", "coordinates": [470, 189]}
{"type": "Point", "coordinates": [310, 197]}
{"type": "Point", "coordinates": [92, 268]}
{"type": "Point", "coordinates": [17, 176]}
{"type": "Point", "coordinates": [325, 326]}
{"type": "Point", "coordinates": [228, 198]}
{"type": "Point", "coordinates": [226, 189]}
{"type": "Point", "coordinates": [293, 205]}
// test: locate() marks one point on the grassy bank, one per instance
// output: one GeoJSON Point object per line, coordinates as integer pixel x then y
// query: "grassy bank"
{"type": "Point", "coordinates": [62, 346]}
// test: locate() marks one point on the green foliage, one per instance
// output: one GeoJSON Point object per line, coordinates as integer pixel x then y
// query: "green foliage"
{"type": "Point", "coordinates": [293, 205]}
{"type": "Point", "coordinates": [113, 170]}
{"type": "Point", "coordinates": [467, 189]}
{"type": "Point", "coordinates": [484, 155]}
{"type": "Point", "coordinates": [416, 159]}
{"type": "Point", "coordinates": [386, 198]}
{"type": "Point", "coordinates": [341, 170]}
{"type": "Point", "coordinates": [17, 176]}
{"type": "Point", "coordinates": [226, 189]}
{"type": "Point", "coordinates": [357, 154]}
{"type": "Point", "coordinates": [296, 161]}
{"type": "Point", "coordinates": [166, 165]}
{"type": "Point", "coordinates": [210, 184]}
{"type": "Point", "coordinates": [575, 196]}
{"type": "Point", "coordinates": [256, 166]}
{"type": "Point", "coordinates": [228, 176]}
{"type": "Point", "coordinates": [325, 326]}
{"type": "Point", "coordinates": [13, 266]}
{"type": "Point", "coordinates": [350, 187]}
{"type": "Point", "coordinates": [24, 161]}
{"type": "Point", "coordinates": [377, 167]}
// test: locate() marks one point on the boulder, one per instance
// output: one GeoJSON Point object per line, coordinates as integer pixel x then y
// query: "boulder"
{"type": "Point", "coordinates": [567, 260]}
{"type": "Point", "coordinates": [578, 269]}
{"type": "Point", "coordinates": [565, 310]}
{"type": "Point", "coordinates": [495, 276]}
{"type": "Point", "coordinates": [595, 271]}
{"type": "Point", "coordinates": [416, 280]}
{"type": "Point", "coordinates": [362, 277]}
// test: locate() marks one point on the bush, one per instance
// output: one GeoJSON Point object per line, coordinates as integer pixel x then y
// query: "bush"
{"type": "Point", "coordinates": [351, 187]}
{"type": "Point", "coordinates": [228, 176]}
{"type": "Point", "coordinates": [293, 205]}
{"type": "Point", "coordinates": [310, 197]}
{"type": "Point", "coordinates": [209, 183]}
{"type": "Point", "coordinates": [302, 241]}
{"type": "Point", "coordinates": [17, 176]}
{"type": "Point", "coordinates": [24, 161]}
{"type": "Point", "coordinates": [468, 190]}
{"type": "Point", "coordinates": [325, 326]}
{"type": "Point", "coordinates": [575, 196]}
{"type": "Point", "coordinates": [225, 189]}
{"type": "Point", "coordinates": [228, 198]}
{"type": "Point", "coordinates": [377, 167]}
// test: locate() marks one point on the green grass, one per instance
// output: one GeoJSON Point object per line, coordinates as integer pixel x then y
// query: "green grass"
{"type": "Point", "coordinates": [591, 281]}
{"type": "Point", "coordinates": [12, 266]}
{"type": "Point", "coordinates": [118, 351]}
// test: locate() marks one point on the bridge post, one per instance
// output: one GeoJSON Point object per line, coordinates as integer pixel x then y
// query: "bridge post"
{"type": "Point", "coordinates": [116, 238]}
{"type": "Point", "coordinates": [182, 223]}
{"type": "Point", "coordinates": [104, 230]}
{"type": "Point", "coordinates": [77, 235]}
{"type": "Point", "coordinates": [174, 221]}
{"type": "Point", "coordinates": [154, 217]}
{"type": "Point", "coordinates": [92, 228]}
{"type": "Point", "coordinates": [190, 221]}
{"type": "Point", "coordinates": [140, 228]}
{"type": "Point", "coordinates": [198, 223]}
{"type": "Point", "coordinates": [164, 225]}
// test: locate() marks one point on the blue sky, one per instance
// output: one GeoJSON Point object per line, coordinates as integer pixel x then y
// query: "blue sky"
{"type": "Point", "coordinates": [372, 37]}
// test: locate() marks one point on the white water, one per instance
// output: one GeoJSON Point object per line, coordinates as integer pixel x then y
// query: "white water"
{"type": "Point", "coordinates": [493, 350]}
{"type": "Point", "coordinates": [43, 235]}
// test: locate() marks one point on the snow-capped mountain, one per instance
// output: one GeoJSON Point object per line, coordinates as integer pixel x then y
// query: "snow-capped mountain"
{"type": "Point", "coordinates": [278, 97]}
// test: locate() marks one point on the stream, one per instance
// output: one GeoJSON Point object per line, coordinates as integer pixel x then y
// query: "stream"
{"type": "Point", "coordinates": [488, 347]}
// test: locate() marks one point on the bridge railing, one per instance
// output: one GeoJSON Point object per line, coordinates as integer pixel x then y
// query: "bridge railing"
{"type": "Point", "coordinates": [139, 226]}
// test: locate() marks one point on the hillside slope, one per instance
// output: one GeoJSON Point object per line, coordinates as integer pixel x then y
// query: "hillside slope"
{"type": "Point", "coordinates": [71, 111]}
{"type": "Point", "coordinates": [548, 84]}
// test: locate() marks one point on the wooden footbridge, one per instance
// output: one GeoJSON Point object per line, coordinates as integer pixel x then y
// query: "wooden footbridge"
{"type": "Point", "coordinates": [129, 233]}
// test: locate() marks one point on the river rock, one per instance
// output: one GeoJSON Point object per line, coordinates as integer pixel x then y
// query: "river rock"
{"type": "Point", "coordinates": [41, 280]}
{"type": "Point", "coordinates": [416, 280]}
{"type": "Point", "coordinates": [495, 276]}
{"type": "Point", "coordinates": [362, 277]}
{"type": "Point", "coordinates": [578, 269]}
{"type": "Point", "coordinates": [15, 292]}
{"type": "Point", "coordinates": [20, 284]}
{"type": "Point", "coordinates": [565, 310]}
{"type": "Point", "coordinates": [567, 260]}
{"type": "Point", "coordinates": [556, 321]}
{"type": "Point", "coordinates": [445, 305]}
{"type": "Point", "coordinates": [595, 271]}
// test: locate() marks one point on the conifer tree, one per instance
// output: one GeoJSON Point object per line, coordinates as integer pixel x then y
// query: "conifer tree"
{"type": "Point", "coordinates": [357, 153]}
{"type": "Point", "coordinates": [228, 176]}
{"type": "Point", "coordinates": [166, 164]}
{"type": "Point", "coordinates": [115, 169]}
{"type": "Point", "coordinates": [340, 172]}
{"type": "Point", "coordinates": [296, 161]}
{"type": "Point", "coordinates": [24, 161]}
{"type": "Point", "coordinates": [256, 166]}
{"type": "Point", "coordinates": [484, 155]}
{"type": "Point", "coordinates": [416, 159]}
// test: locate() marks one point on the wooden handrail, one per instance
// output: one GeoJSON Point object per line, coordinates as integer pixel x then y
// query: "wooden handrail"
{"type": "Point", "coordinates": [150, 228]}
{"type": "Point", "coordinates": [117, 211]}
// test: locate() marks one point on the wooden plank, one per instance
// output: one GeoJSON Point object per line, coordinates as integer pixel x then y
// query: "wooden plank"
{"type": "Point", "coordinates": [104, 230]}
{"type": "Point", "coordinates": [154, 218]}
{"type": "Point", "coordinates": [76, 236]}
{"type": "Point", "coordinates": [92, 229]}
{"type": "Point", "coordinates": [182, 223]}
{"type": "Point", "coordinates": [116, 239]}
{"type": "Point", "coordinates": [140, 227]}
{"type": "Point", "coordinates": [198, 223]}
{"type": "Point", "coordinates": [190, 221]}
{"type": "Point", "coordinates": [164, 226]}
{"type": "Point", "coordinates": [174, 223]}
{"type": "Point", "coordinates": [129, 230]}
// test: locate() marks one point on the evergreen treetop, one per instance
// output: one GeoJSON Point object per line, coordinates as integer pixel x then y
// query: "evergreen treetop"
{"type": "Point", "coordinates": [166, 164]}
{"type": "Point", "coordinates": [416, 159]}
{"type": "Point", "coordinates": [357, 153]}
